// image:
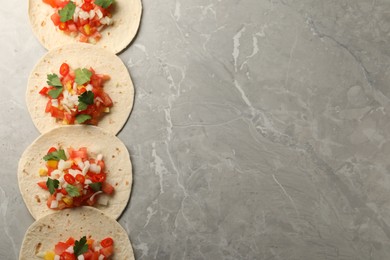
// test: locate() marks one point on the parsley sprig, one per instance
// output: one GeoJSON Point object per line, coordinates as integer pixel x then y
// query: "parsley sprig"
{"type": "Point", "coordinates": [82, 76]}
{"type": "Point", "coordinates": [54, 81]}
{"type": "Point", "coordinates": [52, 185]}
{"type": "Point", "coordinates": [85, 99]}
{"type": "Point", "coordinates": [104, 3]}
{"type": "Point", "coordinates": [56, 156]}
{"type": "Point", "coordinates": [80, 247]}
{"type": "Point", "coordinates": [67, 12]}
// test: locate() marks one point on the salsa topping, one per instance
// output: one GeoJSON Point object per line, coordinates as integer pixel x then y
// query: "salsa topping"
{"type": "Point", "coordinates": [83, 249]}
{"type": "Point", "coordinates": [83, 18]}
{"type": "Point", "coordinates": [76, 96]}
{"type": "Point", "coordinates": [73, 178]}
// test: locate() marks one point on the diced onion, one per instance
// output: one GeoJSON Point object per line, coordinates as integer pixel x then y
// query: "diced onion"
{"type": "Point", "coordinates": [95, 168]}
{"type": "Point", "coordinates": [85, 169]}
{"type": "Point", "coordinates": [59, 196]}
{"type": "Point", "coordinates": [80, 164]}
{"type": "Point", "coordinates": [70, 249]}
{"type": "Point", "coordinates": [63, 165]}
{"type": "Point", "coordinates": [88, 181]}
{"type": "Point", "coordinates": [101, 257]}
{"type": "Point", "coordinates": [89, 87]}
{"type": "Point", "coordinates": [91, 14]}
{"type": "Point", "coordinates": [96, 193]}
{"type": "Point", "coordinates": [99, 157]}
{"type": "Point", "coordinates": [83, 15]}
{"type": "Point", "coordinates": [80, 257]}
{"type": "Point", "coordinates": [54, 102]}
{"type": "Point", "coordinates": [99, 13]}
{"type": "Point", "coordinates": [54, 204]}
{"type": "Point", "coordinates": [57, 257]}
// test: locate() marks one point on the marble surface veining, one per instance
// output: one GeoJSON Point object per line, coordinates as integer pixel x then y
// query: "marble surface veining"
{"type": "Point", "coordinates": [260, 129]}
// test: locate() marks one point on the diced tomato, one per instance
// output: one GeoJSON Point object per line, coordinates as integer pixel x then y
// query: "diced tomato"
{"type": "Point", "coordinates": [82, 22]}
{"type": "Point", "coordinates": [83, 38]}
{"type": "Point", "coordinates": [107, 251]}
{"type": "Point", "coordinates": [49, 170]}
{"type": "Point", "coordinates": [51, 2]}
{"type": "Point", "coordinates": [107, 101]}
{"type": "Point", "coordinates": [107, 242]}
{"type": "Point", "coordinates": [60, 247]}
{"type": "Point", "coordinates": [87, 6]}
{"type": "Point", "coordinates": [101, 164]}
{"type": "Point", "coordinates": [80, 178]}
{"type": "Point", "coordinates": [61, 3]}
{"type": "Point", "coordinates": [100, 177]}
{"type": "Point", "coordinates": [52, 149]}
{"type": "Point", "coordinates": [69, 118]}
{"type": "Point", "coordinates": [63, 26]}
{"type": "Point", "coordinates": [44, 91]}
{"type": "Point", "coordinates": [64, 69]}
{"type": "Point", "coordinates": [107, 188]}
{"type": "Point", "coordinates": [63, 191]}
{"type": "Point", "coordinates": [92, 201]}
{"type": "Point", "coordinates": [81, 153]}
{"type": "Point", "coordinates": [42, 184]}
{"type": "Point", "coordinates": [67, 256]}
{"type": "Point", "coordinates": [57, 113]}
{"type": "Point", "coordinates": [95, 256]}
{"type": "Point", "coordinates": [69, 178]}
{"type": "Point", "coordinates": [48, 106]}
{"type": "Point", "coordinates": [70, 241]}
{"type": "Point", "coordinates": [50, 199]}
{"type": "Point", "coordinates": [55, 18]}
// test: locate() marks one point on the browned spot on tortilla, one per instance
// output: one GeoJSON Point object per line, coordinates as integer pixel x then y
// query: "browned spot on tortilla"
{"type": "Point", "coordinates": [120, 170]}
{"type": "Point", "coordinates": [37, 74]}
{"type": "Point", "coordinates": [116, 184]}
{"type": "Point", "coordinates": [108, 33]}
{"type": "Point", "coordinates": [40, 228]}
{"type": "Point", "coordinates": [37, 199]}
{"type": "Point", "coordinates": [43, 23]}
{"type": "Point", "coordinates": [48, 226]}
{"type": "Point", "coordinates": [127, 183]}
{"type": "Point", "coordinates": [113, 156]}
{"type": "Point", "coordinates": [38, 247]}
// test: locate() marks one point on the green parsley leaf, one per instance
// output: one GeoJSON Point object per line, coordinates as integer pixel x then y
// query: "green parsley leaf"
{"type": "Point", "coordinates": [104, 3]}
{"type": "Point", "coordinates": [96, 186]}
{"type": "Point", "coordinates": [73, 191]}
{"type": "Point", "coordinates": [85, 99]}
{"type": "Point", "coordinates": [82, 76]}
{"type": "Point", "coordinates": [53, 80]}
{"type": "Point", "coordinates": [82, 118]}
{"type": "Point", "coordinates": [54, 93]}
{"type": "Point", "coordinates": [52, 185]}
{"type": "Point", "coordinates": [80, 247]}
{"type": "Point", "coordinates": [67, 12]}
{"type": "Point", "coordinates": [56, 156]}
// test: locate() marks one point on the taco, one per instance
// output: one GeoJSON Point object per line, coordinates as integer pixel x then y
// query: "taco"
{"type": "Point", "coordinates": [74, 232]}
{"type": "Point", "coordinates": [73, 166]}
{"type": "Point", "coordinates": [109, 24]}
{"type": "Point", "coordinates": [79, 84]}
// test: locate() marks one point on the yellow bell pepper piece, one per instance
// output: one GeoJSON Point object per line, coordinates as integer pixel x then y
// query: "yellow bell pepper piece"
{"type": "Point", "coordinates": [87, 29]}
{"type": "Point", "coordinates": [52, 163]}
{"type": "Point", "coordinates": [68, 200]}
{"type": "Point", "coordinates": [42, 172]}
{"type": "Point", "coordinates": [49, 255]}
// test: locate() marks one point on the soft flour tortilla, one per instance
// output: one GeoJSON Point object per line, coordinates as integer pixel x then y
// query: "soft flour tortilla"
{"type": "Point", "coordinates": [80, 55]}
{"type": "Point", "coordinates": [115, 155]}
{"type": "Point", "coordinates": [43, 234]}
{"type": "Point", "coordinates": [126, 19]}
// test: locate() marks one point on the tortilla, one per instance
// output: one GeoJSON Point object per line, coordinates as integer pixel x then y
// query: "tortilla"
{"type": "Point", "coordinates": [126, 15]}
{"type": "Point", "coordinates": [80, 55]}
{"type": "Point", "coordinates": [43, 234]}
{"type": "Point", "coordinates": [115, 155]}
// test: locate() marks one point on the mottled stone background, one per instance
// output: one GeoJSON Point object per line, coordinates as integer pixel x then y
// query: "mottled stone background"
{"type": "Point", "coordinates": [260, 129]}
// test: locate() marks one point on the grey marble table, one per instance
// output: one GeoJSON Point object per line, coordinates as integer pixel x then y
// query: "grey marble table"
{"type": "Point", "coordinates": [260, 129]}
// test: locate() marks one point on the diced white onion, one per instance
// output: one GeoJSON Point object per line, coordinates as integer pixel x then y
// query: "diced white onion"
{"type": "Point", "coordinates": [74, 172]}
{"type": "Point", "coordinates": [54, 102]}
{"type": "Point", "coordinates": [103, 200]}
{"type": "Point", "coordinates": [70, 249]}
{"type": "Point", "coordinates": [106, 20]}
{"type": "Point", "coordinates": [89, 87]}
{"type": "Point", "coordinates": [95, 168]}
{"type": "Point", "coordinates": [54, 204]}
{"type": "Point", "coordinates": [101, 257]}
{"type": "Point", "coordinates": [56, 174]}
{"type": "Point", "coordinates": [57, 257]}
{"type": "Point", "coordinates": [83, 15]}
{"type": "Point", "coordinates": [63, 165]}
{"type": "Point", "coordinates": [91, 14]}
{"type": "Point", "coordinates": [99, 13]}
{"type": "Point", "coordinates": [66, 153]}
{"type": "Point", "coordinates": [59, 196]}
{"type": "Point", "coordinates": [80, 164]}
{"type": "Point", "coordinates": [99, 157]}
{"type": "Point", "coordinates": [88, 181]}
{"type": "Point", "coordinates": [86, 168]}
{"type": "Point", "coordinates": [96, 193]}
{"type": "Point", "coordinates": [80, 257]}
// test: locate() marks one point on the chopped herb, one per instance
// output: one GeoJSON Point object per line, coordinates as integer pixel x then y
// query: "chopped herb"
{"type": "Point", "coordinates": [67, 12]}
{"type": "Point", "coordinates": [56, 156]}
{"type": "Point", "coordinates": [52, 185]}
{"type": "Point", "coordinates": [82, 76]}
{"type": "Point", "coordinates": [104, 3]}
{"type": "Point", "coordinates": [82, 118]}
{"type": "Point", "coordinates": [96, 186]}
{"type": "Point", "coordinates": [80, 247]}
{"type": "Point", "coordinates": [54, 93]}
{"type": "Point", "coordinates": [85, 99]}
{"type": "Point", "coordinates": [73, 191]}
{"type": "Point", "coordinates": [53, 80]}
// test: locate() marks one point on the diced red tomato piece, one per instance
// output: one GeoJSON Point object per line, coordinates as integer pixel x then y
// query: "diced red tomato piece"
{"type": "Point", "coordinates": [107, 101]}
{"type": "Point", "coordinates": [52, 149]}
{"type": "Point", "coordinates": [83, 38]}
{"type": "Point", "coordinates": [100, 177]}
{"type": "Point", "coordinates": [51, 2]}
{"type": "Point", "coordinates": [70, 241]}
{"type": "Point", "coordinates": [87, 6]}
{"type": "Point", "coordinates": [82, 154]}
{"type": "Point", "coordinates": [69, 118]}
{"type": "Point", "coordinates": [107, 242]}
{"type": "Point", "coordinates": [60, 247]}
{"type": "Point", "coordinates": [101, 164]}
{"type": "Point", "coordinates": [57, 113]}
{"type": "Point", "coordinates": [67, 256]}
{"type": "Point", "coordinates": [48, 106]}
{"type": "Point", "coordinates": [50, 199]}
{"type": "Point", "coordinates": [50, 170]}
{"type": "Point", "coordinates": [61, 3]}
{"type": "Point", "coordinates": [95, 256]}
{"type": "Point", "coordinates": [63, 26]}
{"type": "Point", "coordinates": [107, 251]}
{"type": "Point", "coordinates": [63, 191]}
{"type": "Point", "coordinates": [44, 91]}
{"type": "Point", "coordinates": [55, 18]}
{"type": "Point", "coordinates": [42, 184]}
{"type": "Point", "coordinates": [107, 188]}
